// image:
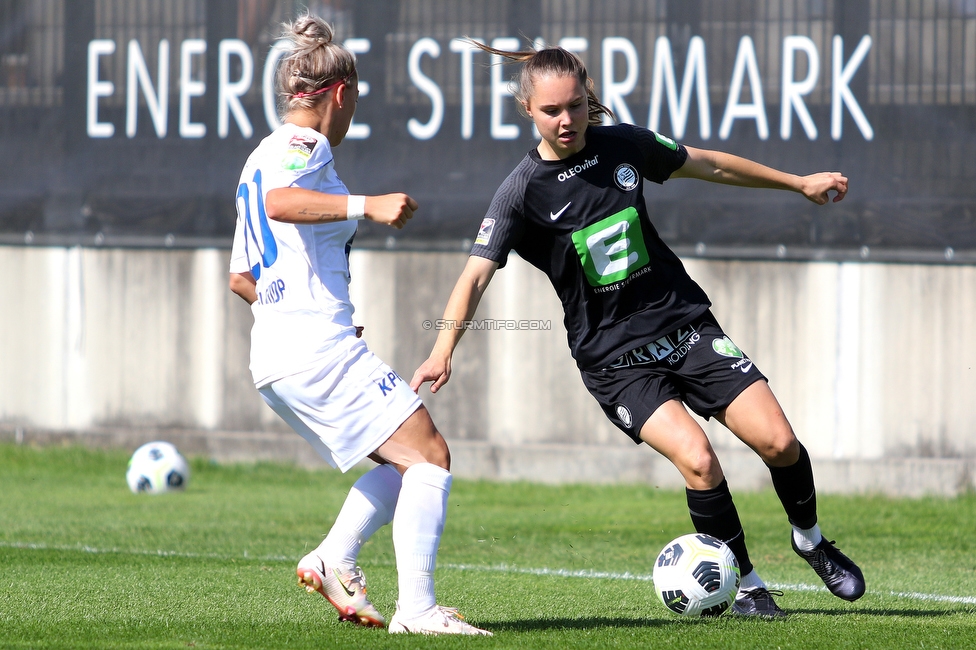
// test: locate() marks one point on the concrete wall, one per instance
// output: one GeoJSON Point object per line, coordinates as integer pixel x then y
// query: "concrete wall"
{"type": "Point", "coordinates": [871, 362]}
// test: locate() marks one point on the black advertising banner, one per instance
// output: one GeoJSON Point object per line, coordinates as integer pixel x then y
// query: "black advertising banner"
{"type": "Point", "coordinates": [127, 123]}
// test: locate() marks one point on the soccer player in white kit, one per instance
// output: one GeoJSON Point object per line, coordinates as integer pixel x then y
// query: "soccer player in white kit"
{"type": "Point", "coordinates": [295, 224]}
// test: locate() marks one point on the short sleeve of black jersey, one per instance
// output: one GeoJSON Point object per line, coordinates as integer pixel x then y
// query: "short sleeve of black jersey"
{"type": "Point", "coordinates": [662, 155]}
{"type": "Point", "coordinates": [503, 225]}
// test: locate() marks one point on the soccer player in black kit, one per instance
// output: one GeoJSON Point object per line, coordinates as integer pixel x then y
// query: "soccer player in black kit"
{"type": "Point", "coordinates": [639, 327]}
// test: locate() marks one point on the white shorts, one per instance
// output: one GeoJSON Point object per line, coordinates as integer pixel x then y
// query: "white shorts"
{"type": "Point", "coordinates": [346, 407]}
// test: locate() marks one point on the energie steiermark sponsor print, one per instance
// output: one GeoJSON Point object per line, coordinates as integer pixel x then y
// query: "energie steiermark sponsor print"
{"type": "Point", "coordinates": [612, 249]}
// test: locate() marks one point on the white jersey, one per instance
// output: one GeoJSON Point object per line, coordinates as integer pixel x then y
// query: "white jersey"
{"type": "Point", "coordinates": [302, 271]}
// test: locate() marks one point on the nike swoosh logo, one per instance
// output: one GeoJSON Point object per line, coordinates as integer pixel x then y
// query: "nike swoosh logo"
{"type": "Point", "coordinates": [800, 503]}
{"type": "Point", "coordinates": [746, 368]}
{"type": "Point", "coordinates": [349, 592]}
{"type": "Point", "coordinates": [556, 215]}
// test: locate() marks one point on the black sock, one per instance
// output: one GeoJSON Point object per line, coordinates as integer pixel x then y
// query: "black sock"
{"type": "Point", "coordinates": [796, 491]}
{"type": "Point", "coordinates": [714, 513]}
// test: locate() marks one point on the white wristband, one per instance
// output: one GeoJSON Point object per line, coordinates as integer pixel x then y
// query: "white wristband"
{"type": "Point", "coordinates": [356, 207]}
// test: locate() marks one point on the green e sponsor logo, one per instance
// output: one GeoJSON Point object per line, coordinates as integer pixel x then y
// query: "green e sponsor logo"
{"type": "Point", "coordinates": [611, 249]}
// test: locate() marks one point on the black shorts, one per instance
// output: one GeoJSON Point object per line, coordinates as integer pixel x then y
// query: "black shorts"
{"type": "Point", "coordinates": [696, 363]}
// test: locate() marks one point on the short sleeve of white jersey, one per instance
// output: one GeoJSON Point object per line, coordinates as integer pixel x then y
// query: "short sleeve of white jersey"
{"type": "Point", "coordinates": [292, 154]}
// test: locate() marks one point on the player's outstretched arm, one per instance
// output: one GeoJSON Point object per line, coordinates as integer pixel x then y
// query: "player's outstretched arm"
{"type": "Point", "coordinates": [729, 169]}
{"type": "Point", "coordinates": [461, 307]}
{"type": "Point", "coordinates": [298, 205]}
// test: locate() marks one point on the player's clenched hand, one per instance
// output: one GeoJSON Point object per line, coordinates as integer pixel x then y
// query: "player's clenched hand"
{"type": "Point", "coordinates": [390, 209]}
{"type": "Point", "coordinates": [817, 187]}
{"type": "Point", "coordinates": [433, 369]}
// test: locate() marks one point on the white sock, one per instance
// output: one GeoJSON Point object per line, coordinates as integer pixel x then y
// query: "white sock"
{"type": "Point", "coordinates": [806, 539]}
{"type": "Point", "coordinates": [417, 526]}
{"type": "Point", "coordinates": [750, 581]}
{"type": "Point", "coordinates": [368, 507]}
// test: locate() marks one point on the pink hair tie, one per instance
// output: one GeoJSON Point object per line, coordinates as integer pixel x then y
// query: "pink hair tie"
{"type": "Point", "coordinates": [321, 90]}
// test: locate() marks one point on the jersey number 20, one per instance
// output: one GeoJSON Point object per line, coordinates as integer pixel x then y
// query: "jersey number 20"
{"type": "Point", "coordinates": [247, 205]}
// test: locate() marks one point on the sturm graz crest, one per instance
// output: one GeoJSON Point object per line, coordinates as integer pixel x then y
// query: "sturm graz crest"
{"type": "Point", "coordinates": [626, 177]}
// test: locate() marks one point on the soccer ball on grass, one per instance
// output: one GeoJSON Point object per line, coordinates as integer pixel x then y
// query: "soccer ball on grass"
{"type": "Point", "coordinates": [696, 575]}
{"type": "Point", "coordinates": [157, 467]}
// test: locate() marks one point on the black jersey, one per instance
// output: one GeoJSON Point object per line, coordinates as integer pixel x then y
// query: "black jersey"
{"type": "Point", "coordinates": [583, 222]}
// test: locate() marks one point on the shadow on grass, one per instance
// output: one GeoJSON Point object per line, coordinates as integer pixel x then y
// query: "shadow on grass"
{"type": "Point", "coordinates": [913, 613]}
{"type": "Point", "coordinates": [590, 623]}
{"type": "Point", "coordinates": [597, 622]}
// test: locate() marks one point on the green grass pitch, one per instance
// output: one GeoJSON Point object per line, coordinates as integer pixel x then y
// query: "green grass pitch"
{"type": "Point", "coordinates": [86, 564]}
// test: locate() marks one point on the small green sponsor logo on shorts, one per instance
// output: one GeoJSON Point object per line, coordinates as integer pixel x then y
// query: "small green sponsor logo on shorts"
{"type": "Point", "coordinates": [726, 348]}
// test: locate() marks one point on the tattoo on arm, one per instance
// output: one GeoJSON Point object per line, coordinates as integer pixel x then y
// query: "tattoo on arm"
{"type": "Point", "coordinates": [322, 217]}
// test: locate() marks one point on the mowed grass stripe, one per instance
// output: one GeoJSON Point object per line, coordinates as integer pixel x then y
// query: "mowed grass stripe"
{"type": "Point", "coordinates": [536, 571]}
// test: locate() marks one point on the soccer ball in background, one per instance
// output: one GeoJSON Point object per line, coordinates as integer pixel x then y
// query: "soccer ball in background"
{"type": "Point", "coordinates": [696, 575]}
{"type": "Point", "coordinates": [157, 467]}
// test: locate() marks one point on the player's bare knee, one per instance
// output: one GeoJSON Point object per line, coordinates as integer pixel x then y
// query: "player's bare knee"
{"type": "Point", "coordinates": [700, 467]}
{"type": "Point", "coordinates": [781, 450]}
